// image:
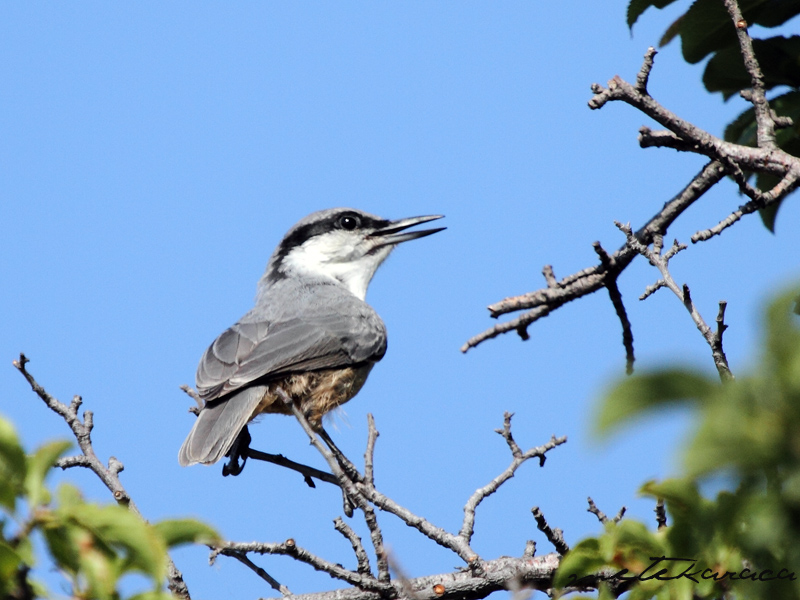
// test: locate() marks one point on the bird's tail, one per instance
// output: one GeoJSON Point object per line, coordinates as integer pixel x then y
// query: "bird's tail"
{"type": "Point", "coordinates": [217, 426]}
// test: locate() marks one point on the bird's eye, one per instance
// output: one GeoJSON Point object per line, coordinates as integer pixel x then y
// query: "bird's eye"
{"type": "Point", "coordinates": [348, 222]}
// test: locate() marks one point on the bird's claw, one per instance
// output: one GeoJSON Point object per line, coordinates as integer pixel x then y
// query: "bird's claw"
{"type": "Point", "coordinates": [239, 450]}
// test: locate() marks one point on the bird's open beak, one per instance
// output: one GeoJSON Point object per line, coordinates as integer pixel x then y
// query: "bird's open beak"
{"type": "Point", "coordinates": [391, 233]}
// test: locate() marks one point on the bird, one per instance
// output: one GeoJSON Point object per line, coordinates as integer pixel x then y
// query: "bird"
{"type": "Point", "coordinates": [311, 335]}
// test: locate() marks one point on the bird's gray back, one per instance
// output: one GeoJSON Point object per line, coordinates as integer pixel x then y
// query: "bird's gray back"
{"type": "Point", "coordinates": [295, 326]}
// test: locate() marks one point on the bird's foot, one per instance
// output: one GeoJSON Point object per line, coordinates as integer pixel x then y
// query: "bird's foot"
{"type": "Point", "coordinates": [240, 449]}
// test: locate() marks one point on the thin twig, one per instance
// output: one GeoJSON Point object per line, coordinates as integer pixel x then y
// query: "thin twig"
{"type": "Point", "coordinates": [589, 280]}
{"type": "Point", "coordinates": [518, 458]}
{"type": "Point", "coordinates": [726, 158]}
{"type": "Point", "coordinates": [358, 548]}
{"type": "Point", "coordinates": [274, 583]}
{"type": "Point", "coordinates": [661, 513]}
{"type": "Point", "coordinates": [290, 548]}
{"type": "Point", "coordinates": [601, 516]}
{"type": "Point", "coordinates": [765, 132]}
{"type": "Point", "coordinates": [661, 262]}
{"type": "Point", "coordinates": [307, 472]}
{"type": "Point", "coordinates": [644, 72]}
{"type": "Point", "coordinates": [109, 475]}
{"type": "Point", "coordinates": [619, 306]}
{"type": "Point", "coordinates": [554, 536]}
{"type": "Point", "coordinates": [369, 454]}
{"type": "Point", "coordinates": [353, 489]}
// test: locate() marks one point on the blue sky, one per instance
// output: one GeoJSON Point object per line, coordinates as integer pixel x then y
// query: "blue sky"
{"type": "Point", "coordinates": [154, 154]}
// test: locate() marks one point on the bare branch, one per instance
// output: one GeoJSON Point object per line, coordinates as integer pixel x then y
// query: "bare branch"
{"type": "Point", "coordinates": [727, 157]}
{"type": "Point", "coordinates": [290, 548]}
{"type": "Point", "coordinates": [661, 513]}
{"type": "Point", "coordinates": [309, 473]}
{"type": "Point", "coordinates": [349, 487]}
{"type": "Point", "coordinates": [601, 516]}
{"type": "Point", "coordinates": [721, 326]}
{"type": "Point", "coordinates": [530, 549]}
{"type": "Point", "coordinates": [788, 184]}
{"type": "Point", "coordinates": [532, 572]}
{"type": "Point", "coordinates": [644, 72]}
{"type": "Point", "coordinates": [358, 547]}
{"type": "Point", "coordinates": [765, 133]}
{"type": "Point", "coordinates": [589, 280]}
{"type": "Point", "coordinates": [627, 331]}
{"type": "Point", "coordinates": [369, 455]}
{"type": "Point", "coordinates": [519, 457]}
{"type": "Point", "coordinates": [766, 158]}
{"type": "Point", "coordinates": [549, 276]}
{"type": "Point", "coordinates": [652, 289]}
{"type": "Point", "coordinates": [262, 573]}
{"type": "Point", "coordinates": [664, 139]}
{"type": "Point", "coordinates": [554, 536]}
{"type": "Point", "coordinates": [661, 262]}
{"type": "Point", "coordinates": [108, 475]}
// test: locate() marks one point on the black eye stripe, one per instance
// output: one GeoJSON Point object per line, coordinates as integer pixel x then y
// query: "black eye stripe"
{"type": "Point", "coordinates": [300, 234]}
{"type": "Point", "coordinates": [333, 222]}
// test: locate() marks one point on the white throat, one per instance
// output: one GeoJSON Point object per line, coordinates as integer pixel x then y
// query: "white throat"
{"type": "Point", "coordinates": [339, 257]}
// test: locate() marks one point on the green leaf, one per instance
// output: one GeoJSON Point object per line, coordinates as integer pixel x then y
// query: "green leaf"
{"type": "Point", "coordinates": [777, 56]}
{"type": "Point", "coordinates": [12, 465]}
{"type": "Point", "coordinates": [705, 28]}
{"type": "Point", "coordinates": [116, 527]}
{"type": "Point", "coordinates": [671, 31]}
{"type": "Point", "coordinates": [634, 542]}
{"type": "Point", "coordinates": [153, 595]}
{"type": "Point", "coordinates": [185, 531]}
{"type": "Point", "coordinates": [61, 544]}
{"type": "Point", "coordinates": [582, 561]}
{"type": "Point", "coordinates": [637, 7]}
{"type": "Point", "coordinates": [681, 495]}
{"type": "Point", "coordinates": [783, 344]}
{"type": "Point", "coordinates": [774, 13]}
{"type": "Point", "coordinates": [648, 391]}
{"type": "Point", "coordinates": [114, 533]}
{"type": "Point", "coordinates": [98, 567]}
{"type": "Point", "coordinates": [770, 213]}
{"type": "Point", "coordinates": [68, 495]}
{"type": "Point", "coordinates": [9, 563]}
{"type": "Point", "coordinates": [39, 465]}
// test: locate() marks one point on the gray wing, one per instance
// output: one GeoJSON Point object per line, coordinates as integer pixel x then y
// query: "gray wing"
{"type": "Point", "coordinates": [254, 349]}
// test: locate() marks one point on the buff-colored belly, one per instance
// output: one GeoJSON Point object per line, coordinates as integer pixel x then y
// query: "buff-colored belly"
{"type": "Point", "coordinates": [315, 392]}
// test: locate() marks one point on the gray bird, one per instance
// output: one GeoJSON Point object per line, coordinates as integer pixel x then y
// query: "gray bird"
{"type": "Point", "coordinates": [310, 333]}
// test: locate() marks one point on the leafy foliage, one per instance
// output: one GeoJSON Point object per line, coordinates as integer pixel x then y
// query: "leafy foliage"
{"type": "Point", "coordinates": [93, 545]}
{"type": "Point", "coordinates": [746, 540]}
{"type": "Point", "coordinates": [706, 29]}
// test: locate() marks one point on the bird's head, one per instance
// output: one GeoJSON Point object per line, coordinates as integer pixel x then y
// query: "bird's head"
{"type": "Point", "coordinates": [341, 244]}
